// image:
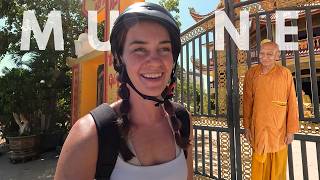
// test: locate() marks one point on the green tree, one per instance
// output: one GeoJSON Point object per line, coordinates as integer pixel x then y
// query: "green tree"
{"type": "Point", "coordinates": [173, 7]}
{"type": "Point", "coordinates": [48, 70]}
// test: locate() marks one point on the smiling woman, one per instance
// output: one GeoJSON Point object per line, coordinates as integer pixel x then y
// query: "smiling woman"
{"type": "Point", "coordinates": [147, 51]}
{"type": "Point", "coordinates": [143, 135]}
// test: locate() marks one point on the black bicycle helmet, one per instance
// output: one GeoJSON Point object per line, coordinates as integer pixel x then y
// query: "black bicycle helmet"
{"type": "Point", "coordinates": [139, 12]}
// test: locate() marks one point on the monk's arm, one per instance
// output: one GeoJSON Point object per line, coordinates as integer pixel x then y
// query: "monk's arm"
{"type": "Point", "coordinates": [247, 101]}
{"type": "Point", "coordinates": [292, 112]}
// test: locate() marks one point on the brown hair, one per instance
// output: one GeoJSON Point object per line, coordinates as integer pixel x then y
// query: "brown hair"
{"type": "Point", "coordinates": [124, 122]}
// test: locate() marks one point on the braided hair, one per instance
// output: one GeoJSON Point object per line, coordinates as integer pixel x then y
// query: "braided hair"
{"type": "Point", "coordinates": [124, 123]}
{"type": "Point", "coordinates": [132, 15]}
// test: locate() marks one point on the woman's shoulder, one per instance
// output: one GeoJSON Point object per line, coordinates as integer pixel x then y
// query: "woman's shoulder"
{"type": "Point", "coordinates": [85, 127]}
{"type": "Point", "coordinates": [79, 153]}
{"type": "Point", "coordinates": [116, 106]}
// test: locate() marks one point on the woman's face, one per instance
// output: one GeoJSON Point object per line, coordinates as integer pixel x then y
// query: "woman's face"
{"type": "Point", "coordinates": [147, 55]}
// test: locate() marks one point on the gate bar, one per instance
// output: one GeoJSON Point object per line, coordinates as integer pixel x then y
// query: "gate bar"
{"type": "Point", "coordinates": [203, 153]}
{"type": "Point", "coordinates": [196, 150]}
{"type": "Point", "coordinates": [218, 154]}
{"type": "Point", "coordinates": [181, 77]}
{"type": "Point", "coordinates": [258, 37]}
{"type": "Point", "coordinates": [188, 79]}
{"type": "Point", "coordinates": [235, 100]}
{"type": "Point", "coordinates": [298, 72]}
{"type": "Point", "coordinates": [304, 160]}
{"type": "Point", "coordinates": [201, 81]}
{"type": "Point", "coordinates": [283, 58]}
{"type": "Point", "coordinates": [290, 162]}
{"type": "Point", "coordinates": [194, 78]}
{"type": "Point", "coordinates": [210, 153]}
{"type": "Point", "coordinates": [229, 83]}
{"type": "Point", "coordinates": [208, 74]}
{"type": "Point", "coordinates": [269, 27]}
{"type": "Point", "coordinates": [216, 81]}
{"type": "Point", "coordinates": [313, 72]}
{"type": "Point", "coordinates": [248, 61]}
{"type": "Point", "coordinates": [318, 157]}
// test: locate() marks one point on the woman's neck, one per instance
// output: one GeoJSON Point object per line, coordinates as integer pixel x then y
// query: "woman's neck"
{"type": "Point", "coordinates": [144, 111]}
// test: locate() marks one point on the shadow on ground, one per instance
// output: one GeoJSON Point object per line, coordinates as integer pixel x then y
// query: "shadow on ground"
{"type": "Point", "coordinates": [40, 168]}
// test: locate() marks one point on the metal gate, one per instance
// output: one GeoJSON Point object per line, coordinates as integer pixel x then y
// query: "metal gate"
{"type": "Point", "coordinates": [210, 87]}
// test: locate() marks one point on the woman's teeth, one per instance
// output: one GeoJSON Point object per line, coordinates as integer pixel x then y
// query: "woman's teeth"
{"type": "Point", "coordinates": [152, 75]}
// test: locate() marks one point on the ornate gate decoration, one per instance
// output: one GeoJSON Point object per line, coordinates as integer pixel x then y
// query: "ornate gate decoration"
{"type": "Point", "coordinates": [210, 86]}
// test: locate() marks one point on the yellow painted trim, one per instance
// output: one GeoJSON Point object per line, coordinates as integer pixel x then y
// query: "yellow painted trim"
{"type": "Point", "coordinates": [88, 57]}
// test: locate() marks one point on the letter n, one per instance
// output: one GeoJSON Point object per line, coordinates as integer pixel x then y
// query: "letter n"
{"type": "Point", "coordinates": [222, 21]}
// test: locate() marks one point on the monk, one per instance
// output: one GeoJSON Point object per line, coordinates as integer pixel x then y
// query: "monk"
{"type": "Point", "coordinates": [270, 114]}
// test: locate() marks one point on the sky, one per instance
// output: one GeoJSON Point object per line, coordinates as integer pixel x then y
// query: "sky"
{"type": "Point", "coordinates": [200, 6]}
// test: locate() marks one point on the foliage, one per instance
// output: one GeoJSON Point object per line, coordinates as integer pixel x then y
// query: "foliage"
{"type": "Point", "coordinates": [173, 7]}
{"type": "Point", "coordinates": [18, 95]}
{"type": "Point", "coordinates": [194, 98]}
{"type": "Point", "coordinates": [45, 85]}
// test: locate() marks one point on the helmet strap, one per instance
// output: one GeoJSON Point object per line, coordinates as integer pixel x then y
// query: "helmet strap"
{"type": "Point", "coordinates": [166, 94]}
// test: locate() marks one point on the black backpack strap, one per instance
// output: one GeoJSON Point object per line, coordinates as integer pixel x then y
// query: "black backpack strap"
{"type": "Point", "coordinates": [108, 140]}
{"type": "Point", "coordinates": [184, 117]}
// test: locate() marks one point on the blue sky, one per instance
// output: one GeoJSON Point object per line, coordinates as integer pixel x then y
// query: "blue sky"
{"type": "Point", "coordinates": [201, 6]}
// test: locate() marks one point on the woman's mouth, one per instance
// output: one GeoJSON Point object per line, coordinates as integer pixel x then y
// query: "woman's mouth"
{"type": "Point", "coordinates": [152, 75]}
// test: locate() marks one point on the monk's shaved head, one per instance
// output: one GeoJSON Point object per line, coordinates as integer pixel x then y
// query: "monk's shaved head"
{"type": "Point", "coordinates": [271, 44]}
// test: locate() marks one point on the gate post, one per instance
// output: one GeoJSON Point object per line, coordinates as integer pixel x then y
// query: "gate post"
{"type": "Point", "coordinates": [230, 107]}
{"type": "Point", "coordinates": [233, 97]}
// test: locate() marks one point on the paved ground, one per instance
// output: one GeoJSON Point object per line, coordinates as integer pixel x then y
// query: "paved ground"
{"type": "Point", "coordinates": [41, 168]}
{"type": "Point", "coordinates": [44, 167]}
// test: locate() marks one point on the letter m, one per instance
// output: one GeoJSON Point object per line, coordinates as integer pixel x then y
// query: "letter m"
{"type": "Point", "coordinates": [30, 23]}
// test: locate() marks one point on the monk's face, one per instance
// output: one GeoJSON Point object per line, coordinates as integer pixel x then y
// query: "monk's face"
{"type": "Point", "coordinates": [269, 54]}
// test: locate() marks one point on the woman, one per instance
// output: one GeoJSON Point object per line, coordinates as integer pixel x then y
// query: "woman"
{"type": "Point", "coordinates": [145, 43]}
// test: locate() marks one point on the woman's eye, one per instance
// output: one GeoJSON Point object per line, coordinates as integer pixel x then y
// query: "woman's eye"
{"type": "Point", "coordinates": [165, 50]}
{"type": "Point", "coordinates": [139, 50]}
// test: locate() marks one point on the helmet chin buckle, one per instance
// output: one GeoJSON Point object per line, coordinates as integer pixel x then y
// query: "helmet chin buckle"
{"type": "Point", "coordinates": [166, 94]}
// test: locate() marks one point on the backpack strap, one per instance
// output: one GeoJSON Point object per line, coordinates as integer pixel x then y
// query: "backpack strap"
{"type": "Point", "coordinates": [184, 117]}
{"type": "Point", "coordinates": [109, 136]}
{"type": "Point", "coordinates": [108, 140]}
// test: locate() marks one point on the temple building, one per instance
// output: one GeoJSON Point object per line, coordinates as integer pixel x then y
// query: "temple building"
{"type": "Point", "coordinates": [287, 57]}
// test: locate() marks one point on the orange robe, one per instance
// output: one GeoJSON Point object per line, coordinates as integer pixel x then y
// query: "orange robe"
{"type": "Point", "coordinates": [269, 108]}
{"type": "Point", "coordinates": [274, 166]}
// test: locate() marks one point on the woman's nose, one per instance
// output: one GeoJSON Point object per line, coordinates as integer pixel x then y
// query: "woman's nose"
{"type": "Point", "coordinates": [154, 56]}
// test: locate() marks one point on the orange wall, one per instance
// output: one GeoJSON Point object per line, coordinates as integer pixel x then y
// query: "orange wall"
{"type": "Point", "coordinates": [125, 4]}
{"type": "Point", "coordinates": [88, 84]}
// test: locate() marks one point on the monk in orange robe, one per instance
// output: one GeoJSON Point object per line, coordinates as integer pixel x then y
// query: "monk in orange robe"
{"type": "Point", "coordinates": [270, 114]}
